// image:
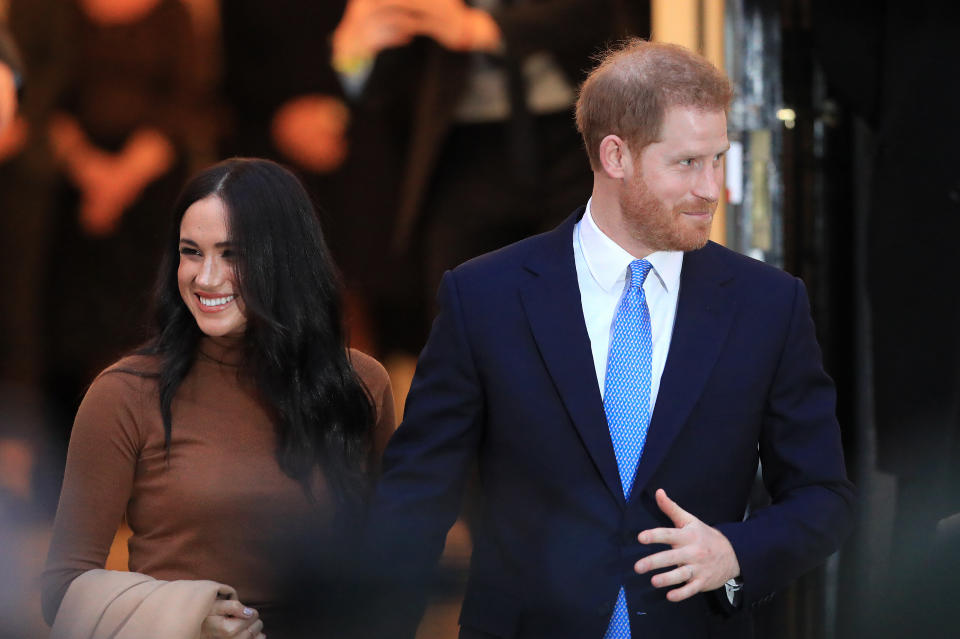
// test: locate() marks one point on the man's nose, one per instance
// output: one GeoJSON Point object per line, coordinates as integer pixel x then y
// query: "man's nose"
{"type": "Point", "coordinates": [709, 184]}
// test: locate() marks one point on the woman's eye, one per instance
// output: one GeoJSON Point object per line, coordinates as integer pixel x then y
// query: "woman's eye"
{"type": "Point", "coordinates": [186, 250]}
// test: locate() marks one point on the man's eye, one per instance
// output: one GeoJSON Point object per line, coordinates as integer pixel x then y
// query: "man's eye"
{"type": "Point", "coordinates": [687, 162]}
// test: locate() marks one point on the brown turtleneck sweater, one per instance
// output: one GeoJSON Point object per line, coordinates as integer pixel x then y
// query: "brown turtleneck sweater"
{"type": "Point", "coordinates": [221, 509]}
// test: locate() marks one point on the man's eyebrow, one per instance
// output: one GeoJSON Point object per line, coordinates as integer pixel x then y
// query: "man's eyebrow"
{"type": "Point", "coordinates": [693, 154]}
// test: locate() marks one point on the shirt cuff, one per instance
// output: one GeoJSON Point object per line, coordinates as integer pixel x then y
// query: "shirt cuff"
{"type": "Point", "coordinates": [733, 587]}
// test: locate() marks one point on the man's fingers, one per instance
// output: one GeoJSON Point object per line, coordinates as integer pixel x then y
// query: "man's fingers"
{"type": "Point", "coordinates": [670, 536]}
{"type": "Point", "coordinates": [658, 560]}
{"type": "Point", "coordinates": [679, 575]}
{"type": "Point", "coordinates": [671, 509]}
{"type": "Point", "coordinates": [687, 591]}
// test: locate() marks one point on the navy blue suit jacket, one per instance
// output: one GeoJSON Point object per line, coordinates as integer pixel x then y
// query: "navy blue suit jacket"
{"type": "Point", "coordinates": [507, 380]}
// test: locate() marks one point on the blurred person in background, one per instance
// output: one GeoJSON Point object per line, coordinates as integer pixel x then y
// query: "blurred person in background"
{"type": "Point", "coordinates": [472, 105]}
{"type": "Point", "coordinates": [122, 134]}
{"type": "Point", "coordinates": [283, 97]}
{"type": "Point", "coordinates": [284, 101]}
{"type": "Point", "coordinates": [241, 430]}
{"type": "Point", "coordinates": [884, 63]}
{"type": "Point", "coordinates": [27, 177]}
{"type": "Point", "coordinates": [24, 520]}
{"type": "Point", "coordinates": [25, 466]}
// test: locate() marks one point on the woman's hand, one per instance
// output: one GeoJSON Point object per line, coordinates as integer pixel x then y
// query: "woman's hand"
{"type": "Point", "coordinates": [230, 618]}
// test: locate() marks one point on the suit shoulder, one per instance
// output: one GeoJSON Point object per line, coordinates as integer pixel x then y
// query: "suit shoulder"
{"type": "Point", "coordinates": [512, 261]}
{"type": "Point", "coordinates": [738, 264]}
{"type": "Point", "coordinates": [502, 258]}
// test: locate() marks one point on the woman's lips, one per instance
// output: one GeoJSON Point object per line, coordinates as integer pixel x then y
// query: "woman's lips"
{"type": "Point", "coordinates": [214, 304]}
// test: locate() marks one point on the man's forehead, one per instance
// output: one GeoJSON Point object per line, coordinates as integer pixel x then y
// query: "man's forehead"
{"type": "Point", "coordinates": [698, 131]}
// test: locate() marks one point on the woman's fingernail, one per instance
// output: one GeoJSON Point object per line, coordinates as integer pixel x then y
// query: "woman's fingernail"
{"type": "Point", "coordinates": [248, 612]}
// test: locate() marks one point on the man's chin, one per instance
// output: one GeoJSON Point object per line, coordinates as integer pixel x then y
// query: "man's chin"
{"type": "Point", "coordinates": [693, 243]}
{"type": "Point", "coordinates": [695, 236]}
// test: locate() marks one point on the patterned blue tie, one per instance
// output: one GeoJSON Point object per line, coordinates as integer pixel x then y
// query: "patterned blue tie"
{"type": "Point", "coordinates": [626, 400]}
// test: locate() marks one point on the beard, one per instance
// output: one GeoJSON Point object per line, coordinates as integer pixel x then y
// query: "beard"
{"type": "Point", "coordinates": [661, 228]}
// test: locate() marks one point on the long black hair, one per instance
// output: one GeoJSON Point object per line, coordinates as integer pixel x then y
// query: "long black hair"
{"type": "Point", "coordinates": [294, 347]}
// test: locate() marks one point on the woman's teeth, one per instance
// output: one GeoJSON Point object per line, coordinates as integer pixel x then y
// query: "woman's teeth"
{"type": "Point", "coordinates": [216, 301]}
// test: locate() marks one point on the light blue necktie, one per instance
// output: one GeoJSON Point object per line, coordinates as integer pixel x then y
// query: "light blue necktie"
{"type": "Point", "coordinates": [626, 400]}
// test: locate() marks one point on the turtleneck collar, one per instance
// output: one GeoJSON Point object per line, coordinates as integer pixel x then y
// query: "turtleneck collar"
{"type": "Point", "coordinates": [227, 351]}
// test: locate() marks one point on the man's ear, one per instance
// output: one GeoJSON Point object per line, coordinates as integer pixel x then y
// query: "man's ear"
{"type": "Point", "coordinates": [615, 157]}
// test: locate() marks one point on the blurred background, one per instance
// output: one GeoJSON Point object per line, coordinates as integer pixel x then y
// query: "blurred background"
{"type": "Point", "coordinates": [844, 170]}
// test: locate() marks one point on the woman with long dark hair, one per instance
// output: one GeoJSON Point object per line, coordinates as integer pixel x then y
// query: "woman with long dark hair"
{"type": "Point", "coordinates": [242, 427]}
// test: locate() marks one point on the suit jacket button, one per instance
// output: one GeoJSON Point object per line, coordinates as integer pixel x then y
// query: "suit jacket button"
{"type": "Point", "coordinates": [605, 608]}
{"type": "Point", "coordinates": [630, 537]}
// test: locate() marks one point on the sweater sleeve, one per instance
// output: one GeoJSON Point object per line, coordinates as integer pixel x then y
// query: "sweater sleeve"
{"type": "Point", "coordinates": [101, 462]}
{"type": "Point", "coordinates": [377, 381]}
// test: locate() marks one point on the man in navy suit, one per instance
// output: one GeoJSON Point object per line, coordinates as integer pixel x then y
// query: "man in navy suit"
{"type": "Point", "coordinates": [578, 539]}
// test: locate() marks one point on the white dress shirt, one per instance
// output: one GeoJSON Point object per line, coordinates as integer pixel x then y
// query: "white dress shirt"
{"type": "Point", "coordinates": [602, 276]}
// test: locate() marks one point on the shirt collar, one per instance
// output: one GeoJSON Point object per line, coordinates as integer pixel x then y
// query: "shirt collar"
{"type": "Point", "coordinates": [608, 261]}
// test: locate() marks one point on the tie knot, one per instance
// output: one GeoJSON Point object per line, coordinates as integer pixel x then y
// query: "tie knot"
{"type": "Point", "coordinates": [638, 272]}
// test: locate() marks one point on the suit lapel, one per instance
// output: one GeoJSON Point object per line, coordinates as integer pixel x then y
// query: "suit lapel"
{"type": "Point", "coordinates": [551, 300]}
{"type": "Point", "coordinates": [704, 316]}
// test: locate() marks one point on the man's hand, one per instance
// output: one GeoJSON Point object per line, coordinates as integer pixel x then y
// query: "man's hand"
{"type": "Point", "coordinates": [703, 557]}
{"type": "Point", "coordinates": [230, 618]}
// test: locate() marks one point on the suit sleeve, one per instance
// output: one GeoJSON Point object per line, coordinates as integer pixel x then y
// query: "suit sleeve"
{"type": "Point", "coordinates": [426, 464]}
{"type": "Point", "coordinates": [802, 463]}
